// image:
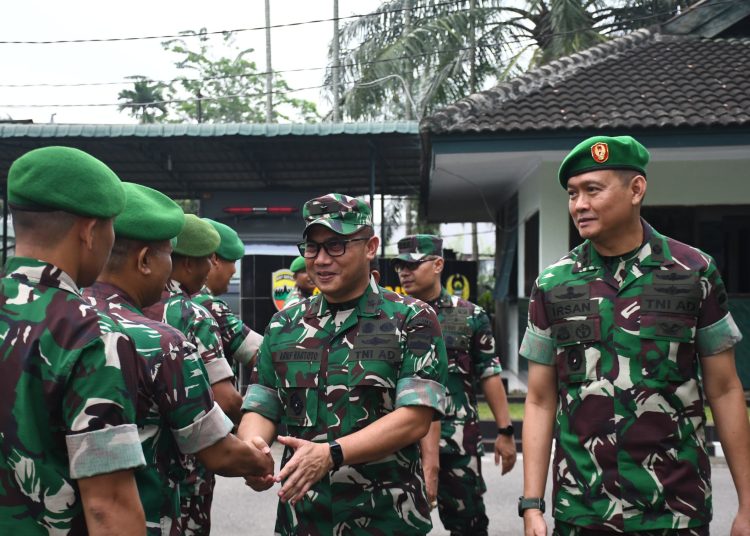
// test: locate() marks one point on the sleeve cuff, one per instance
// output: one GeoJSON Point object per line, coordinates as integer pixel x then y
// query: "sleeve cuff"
{"type": "Point", "coordinates": [537, 348]}
{"type": "Point", "coordinates": [248, 348]}
{"type": "Point", "coordinates": [717, 337]}
{"type": "Point", "coordinates": [492, 370]}
{"type": "Point", "coordinates": [204, 432]}
{"type": "Point", "coordinates": [218, 370]}
{"type": "Point", "coordinates": [415, 391]}
{"type": "Point", "coordinates": [104, 451]}
{"type": "Point", "coordinates": [263, 401]}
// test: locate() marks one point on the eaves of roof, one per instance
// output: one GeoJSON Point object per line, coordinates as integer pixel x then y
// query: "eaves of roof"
{"type": "Point", "coordinates": [642, 80]}
{"type": "Point", "coordinates": [267, 130]}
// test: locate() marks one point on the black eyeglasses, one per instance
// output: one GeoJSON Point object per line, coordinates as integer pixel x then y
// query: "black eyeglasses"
{"type": "Point", "coordinates": [400, 266]}
{"type": "Point", "coordinates": [334, 248]}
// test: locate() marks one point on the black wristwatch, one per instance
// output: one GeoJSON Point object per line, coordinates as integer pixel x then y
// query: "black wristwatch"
{"type": "Point", "coordinates": [526, 503]}
{"type": "Point", "coordinates": [337, 455]}
{"type": "Point", "coordinates": [508, 430]}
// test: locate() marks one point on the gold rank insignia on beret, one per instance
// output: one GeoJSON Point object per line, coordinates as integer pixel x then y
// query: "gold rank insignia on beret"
{"type": "Point", "coordinates": [600, 152]}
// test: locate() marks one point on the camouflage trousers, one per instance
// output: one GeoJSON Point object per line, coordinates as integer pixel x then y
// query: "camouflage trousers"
{"type": "Point", "coordinates": [460, 490]}
{"type": "Point", "coordinates": [566, 529]}
{"type": "Point", "coordinates": [195, 509]}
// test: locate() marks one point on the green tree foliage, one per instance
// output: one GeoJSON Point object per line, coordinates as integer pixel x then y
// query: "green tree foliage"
{"type": "Point", "coordinates": [145, 101]}
{"type": "Point", "coordinates": [218, 88]}
{"type": "Point", "coordinates": [439, 51]}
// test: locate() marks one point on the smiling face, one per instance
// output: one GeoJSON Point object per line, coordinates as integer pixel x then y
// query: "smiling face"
{"type": "Point", "coordinates": [345, 277]}
{"type": "Point", "coordinates": [604, 204]}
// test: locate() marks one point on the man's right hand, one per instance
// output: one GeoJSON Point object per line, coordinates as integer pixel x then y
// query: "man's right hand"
{"type": "Point", "coordinates": [431, 482]}
{"type": "Point", "coordinates": [534, 523]}
{"type": "Point", "coordinates": [261, 483]}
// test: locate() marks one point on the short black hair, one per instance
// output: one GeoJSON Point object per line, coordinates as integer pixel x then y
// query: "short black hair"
{"type": "Point", "coordinates": [45, 229]}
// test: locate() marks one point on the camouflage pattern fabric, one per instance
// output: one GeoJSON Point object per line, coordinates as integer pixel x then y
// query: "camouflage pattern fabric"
{"type": "Point", "coordinates": [416, 247]}
{"type": "Point", "coordinates": [326, 375]}
{"type": "Point", "coordinates": [471, 358]}
{"type": "Point", "coordinates": [460, 490]}
{"type": "Point", "coordinates": [239, 342]}
{"type": "Point", "coordinates": [68, 383]}
{"type": "Point", "coordinates": [626, 341]}
{"type": "Point", "coordinates": [566, 529]}
{"type": "Point", "coordinates": [295, 296]}
{"type": "Point", "coordinates": [176, 412]}
{"type": "Point", "coordinates": [340, 213]}
{"type": "Point", "coordinates": [196, 323]}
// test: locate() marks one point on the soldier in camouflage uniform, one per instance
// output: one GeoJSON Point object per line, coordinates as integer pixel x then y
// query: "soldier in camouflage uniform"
{"type": "Point", "coordinates": [176, 412]}
{"type": "Point", "coordinates": [355, 374]}
{"type": "Point", "coordinates": [68, 375]}
{"type": "Point", "coordinates": [303, 283]}
{"type": "Point", "coordinates": [626, 333]}
{"type": "Point", "coordinates": [240, 343]}
{"type": "Point", "coordinates": [190, 266]}
{"type": "Point", "coordinates": [451, 451]}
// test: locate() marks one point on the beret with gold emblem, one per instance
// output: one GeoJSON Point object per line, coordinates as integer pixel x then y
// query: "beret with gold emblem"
{"type": "Point", "coordinates": [604, 152]}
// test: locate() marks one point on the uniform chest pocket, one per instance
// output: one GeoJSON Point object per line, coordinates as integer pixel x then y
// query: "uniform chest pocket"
{"type": "Point", "coordinates": [373, 374]}
{"type": "Point", "coordinates": [667, 350]}
{"type": "Point", "coordinates": [670, 328]}
{"type": "Point", "coordinates": [298, 371]}
{"type": "Point", "coordinates": [576, 359]}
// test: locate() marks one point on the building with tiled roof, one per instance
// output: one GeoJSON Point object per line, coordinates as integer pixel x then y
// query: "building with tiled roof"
{"type": "Point", "coordinates": [682, 89]}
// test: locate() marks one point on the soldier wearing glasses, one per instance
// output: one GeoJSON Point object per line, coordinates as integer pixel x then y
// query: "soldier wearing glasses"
{"type": "Point", "coordinates": [451, 451]}
{"type": "Point", "coordinates": [356, 374]}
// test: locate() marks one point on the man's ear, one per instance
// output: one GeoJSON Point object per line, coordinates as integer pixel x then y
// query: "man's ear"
{"type": "Point", "coordinates": [438, 265]}
{"type": "Point", "coordinates": [144, 260]}
{"type": "Point", "coordinates": [638, 189]}
{"type": "Point", "coordinates": [371, 247]}
{"type": "Point", "coordinates": [86, 230]}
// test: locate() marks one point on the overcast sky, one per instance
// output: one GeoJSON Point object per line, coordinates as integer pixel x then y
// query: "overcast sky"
{"type": "Point", "coordinates": [295, 47]}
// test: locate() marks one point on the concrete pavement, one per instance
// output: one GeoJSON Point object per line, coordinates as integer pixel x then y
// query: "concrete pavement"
{"type": "Point", "coordinates": [239, 511]}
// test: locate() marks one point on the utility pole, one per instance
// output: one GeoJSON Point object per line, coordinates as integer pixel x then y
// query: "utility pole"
{"type": "Point", "coordinates": [473, 89]}
{"type": "Point", "coordinates": [269, 69]}
{"type": "Point", "coordinates": [336, 62]}
{"type": "Point", "coordinates": [199, 104]}
{"type": "Point", "coordinates": [408, 112]}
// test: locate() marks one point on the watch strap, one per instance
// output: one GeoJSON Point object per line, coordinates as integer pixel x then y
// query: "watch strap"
{"type": "Point", "coordinates": [337, 455]}
{"type": "Point", "coordinates": [506, 431]}
{"type": "Point", "coordinates": [529, 503]}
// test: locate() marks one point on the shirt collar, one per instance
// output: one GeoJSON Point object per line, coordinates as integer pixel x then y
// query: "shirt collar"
{"type": "Point", "coordinates": [40, 272]}
{"type": "Point", "coordinates": [654, 251]}
{"type": "Point", "coordinates": [367, 305]}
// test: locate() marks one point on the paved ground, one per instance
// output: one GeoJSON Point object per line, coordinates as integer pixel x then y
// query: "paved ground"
{"type": "Point", "coordinates": [239, 511]}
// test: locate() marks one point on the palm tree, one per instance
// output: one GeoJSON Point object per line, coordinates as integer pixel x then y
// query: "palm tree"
{"type": "Point", "coordinates": [434, 52]}
{"type": "Point", "coordinates": [144, 100]}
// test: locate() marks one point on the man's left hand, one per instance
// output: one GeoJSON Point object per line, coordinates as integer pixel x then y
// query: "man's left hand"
{"type": "Point", "coordinates": [310, 462]}
{"type": "Point", "coordinates": [505, 448]}
{"type": "Point", "coordinates": [741, 524]}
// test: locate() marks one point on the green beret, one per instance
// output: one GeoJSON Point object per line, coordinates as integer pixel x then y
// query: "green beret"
{"type": "Point", "coordinates": [197, 239]}
{"type": "Point", "coordinates": [604, 152]}
{"type": "Point", "coordinates": [148, 215]}
{"type": "Point", "coordinates": [340, 213]}
{"type": "Point", "coordinates": [416, 247]}
{"type": "Point", "coordinates": [63, 178]}
{"type": "Point", "coordinates": [231, 248]}
{"type": "Point", "coordinates": [298, 265]}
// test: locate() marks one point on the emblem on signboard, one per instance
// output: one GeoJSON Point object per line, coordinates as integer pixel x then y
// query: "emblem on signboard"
{"type": "Point", "coordinates": [600, 152]}
{"type": "Point", "coordinates": [458, 285]}
{"type": "Point", "coordinates": [282, 284]}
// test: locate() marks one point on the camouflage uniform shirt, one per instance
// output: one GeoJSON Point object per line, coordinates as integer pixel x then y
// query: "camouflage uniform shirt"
{"type": "Point", "coordinates": [328, 375]}
{"type": "Point", "coordinates": [240, 343]}
{"type": "Point", "coordinates": [626, 341]}
{"type": "Point", "coordinates": [196, 323]}
{"type": "Point", "coordinates": [176, 412]}
{"type": "Point", "coordinates": [68, 382]}
{"type": "Point", "coordinates": [471, 358]}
